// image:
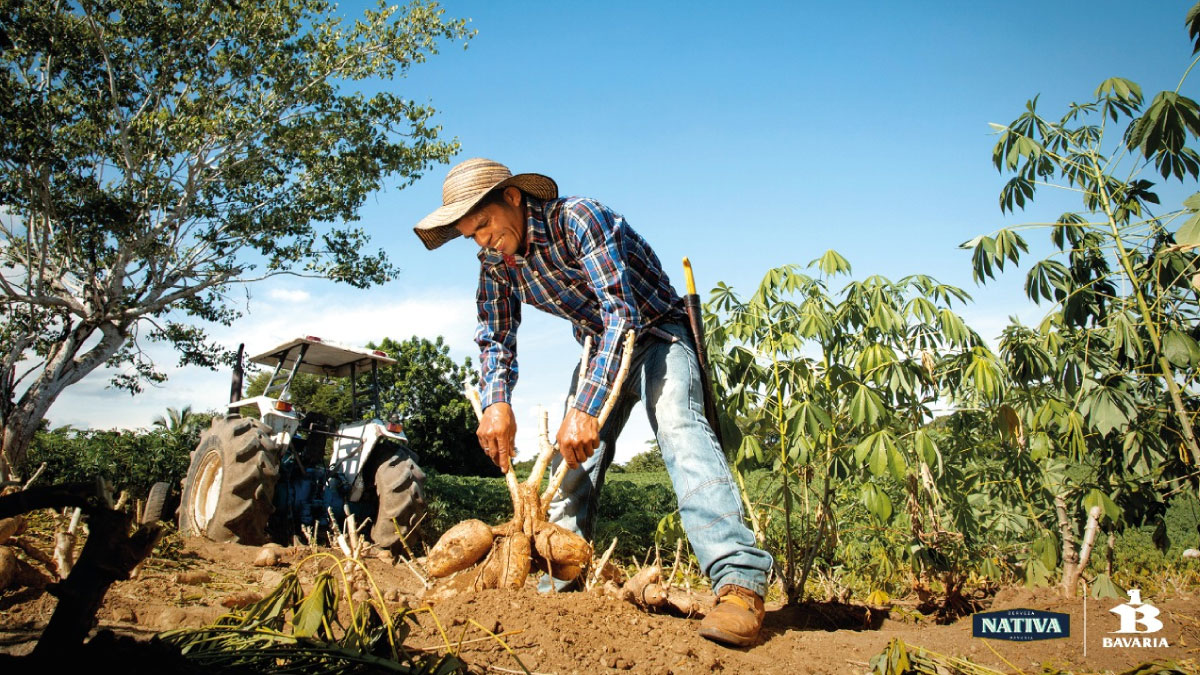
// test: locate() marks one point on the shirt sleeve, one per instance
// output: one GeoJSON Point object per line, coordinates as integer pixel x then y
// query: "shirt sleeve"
{"type": "Point", "coordinates": [499, 316]}
{"type": "Point", "coordinates": [599, 235]}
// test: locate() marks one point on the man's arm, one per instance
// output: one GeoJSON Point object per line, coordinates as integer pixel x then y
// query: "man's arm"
{"type": "Point", "coordinates": [601, 249]}
{"type": "Point", "coordinates": [598, 241]}
{"type": "Point", "coordinates": [499, 317]}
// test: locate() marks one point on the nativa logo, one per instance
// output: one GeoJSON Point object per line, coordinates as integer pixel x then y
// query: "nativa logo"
{"type": "Point", "coordinates": [1021, 625]}
{"type": "Point", "coordinates": [1139, 619]}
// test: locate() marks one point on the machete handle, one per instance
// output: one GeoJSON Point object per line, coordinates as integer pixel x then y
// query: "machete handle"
{"type": "Point", "coordinates": [688, 279]}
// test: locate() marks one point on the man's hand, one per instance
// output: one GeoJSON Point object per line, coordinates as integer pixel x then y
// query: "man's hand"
{"type": "Point", "coordinates": [578, 437]}
{"type": "Point", "coordinates": [497, 434]}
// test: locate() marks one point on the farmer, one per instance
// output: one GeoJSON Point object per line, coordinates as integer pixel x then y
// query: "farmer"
{"type": "Point", "coordinates": [578, 259]}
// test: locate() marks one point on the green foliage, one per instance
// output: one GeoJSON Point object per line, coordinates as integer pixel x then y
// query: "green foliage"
{"type": "Point", "coordinates": [650, 461]}
{"type": "Point", "coordinates": [131, 460]}
{"type": "Point", "coordinates": [832, 393]}
{"type": "Point", "coordinates": [453, 499]}
{"type": "Point", "coordinates": [155, 153]}
{"type": "Point", "coordinates": [425, 390]}
{"type": "Point", "coordinates": [1118, 348]}
{"type": "Point", "coordinates": [1102, 392]}
{"type": "Point", "coordinates": [631, 510]}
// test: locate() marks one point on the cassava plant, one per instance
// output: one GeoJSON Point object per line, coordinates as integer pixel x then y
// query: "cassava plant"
{"type": "Point", "coordinates": [1107, 382]}
{"type": "Point", "coordinates": [833, 390]}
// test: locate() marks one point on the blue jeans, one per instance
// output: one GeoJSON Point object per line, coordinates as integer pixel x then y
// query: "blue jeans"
{"type": "Point", "coordinates": [666, 376]}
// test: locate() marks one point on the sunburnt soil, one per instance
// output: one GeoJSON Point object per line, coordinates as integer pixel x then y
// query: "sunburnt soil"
{"type": "Point", "coordinates": [589, 632]}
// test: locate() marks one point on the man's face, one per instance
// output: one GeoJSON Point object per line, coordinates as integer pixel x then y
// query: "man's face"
{"type": "Point", "coordinates": [498, 225]}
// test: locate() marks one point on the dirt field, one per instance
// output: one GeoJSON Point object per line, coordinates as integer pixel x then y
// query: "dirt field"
{"type": "Point", "coordinates": [587, 632]}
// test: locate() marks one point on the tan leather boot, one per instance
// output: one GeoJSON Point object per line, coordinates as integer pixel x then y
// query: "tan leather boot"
{"type": "Point", "coordinates": [736, 619]}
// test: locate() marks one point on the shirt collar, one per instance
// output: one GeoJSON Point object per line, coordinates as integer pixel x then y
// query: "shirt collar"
{"type": "Point", "coordinates": [535, 224]}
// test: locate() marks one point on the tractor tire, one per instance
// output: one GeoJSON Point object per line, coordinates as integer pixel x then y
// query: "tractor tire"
{"type": "Point", "coordinates": [156, 503]}
{"type": "Point", "coordinates": [229, 486]}
{"type": "Point", "coordinates": [399, 486]}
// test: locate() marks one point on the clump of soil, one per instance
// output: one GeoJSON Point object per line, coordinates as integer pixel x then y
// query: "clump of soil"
{"type": "Point", "coordinates": [592, 632]}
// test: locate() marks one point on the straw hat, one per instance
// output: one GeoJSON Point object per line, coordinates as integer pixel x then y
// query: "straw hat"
{"type": "Point", "coordinates": [467, 183]}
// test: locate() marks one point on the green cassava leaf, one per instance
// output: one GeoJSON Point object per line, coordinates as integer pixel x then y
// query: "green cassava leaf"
{"type": "Point", "coordinates": [831, 262]}
{"type": "Point", "coordinates": [927, 450]}
{"type": "Point", "coordinates": [896, 464]}
{"type": "Point", "coordinates": [751, 448]}
{"type": "Point", "coordinates": [1037, 575]}
{"type": "Point", "coordinates": [1189, 232]}
{"type": "Point", "coordinates": [876, 501]}
{"type": "Point", "coordinates": [1108, 508]}
{"type": "Point", "coordinates": [311, 616]}
{"type": "Point", "coordinates": [1107, 407]}
{"type": "Point", "coordinates": [1180, 349]}
{"type": "Point", "coordinates": [866, 407]}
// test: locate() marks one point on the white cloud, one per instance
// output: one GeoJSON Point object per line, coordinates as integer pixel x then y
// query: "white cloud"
{"type": "Point", "coordinates": [288, 295]}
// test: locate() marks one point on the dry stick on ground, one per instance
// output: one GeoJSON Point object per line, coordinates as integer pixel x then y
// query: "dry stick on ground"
{"type": "Point", "coordinates": [675, 567]}
{"type": "Point", "coordinates": [600, 566]}
{"type": "Point", "coordinates": [513, 548]}
{"type": "Point", "coordinates": [35, 475]}
{"type": "Point", "coordinates": [64, 546]}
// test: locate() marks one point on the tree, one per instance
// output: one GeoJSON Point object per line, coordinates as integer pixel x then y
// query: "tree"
{"type": "Point", "coordinates": [153, 154]}
{"type": "Point", "coordinates": [177, 421]}
{"type": "Point", "coordinates": [423, 390]}
{"type": "Point", "coordinates": [1108, 381]}
{"type": "Point", "coordinates": [649, 460]}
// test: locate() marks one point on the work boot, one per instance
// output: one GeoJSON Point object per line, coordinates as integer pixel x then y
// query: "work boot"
{"type": "Point", "coordinates": [736, 619]}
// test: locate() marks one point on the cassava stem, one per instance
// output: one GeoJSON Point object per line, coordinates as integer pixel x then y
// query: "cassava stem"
{"type": "Point", "coordinates": [609, 404]}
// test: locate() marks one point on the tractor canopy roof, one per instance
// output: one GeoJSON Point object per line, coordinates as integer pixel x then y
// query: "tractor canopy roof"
{"type": "Point", "coordinates": [323, 357]}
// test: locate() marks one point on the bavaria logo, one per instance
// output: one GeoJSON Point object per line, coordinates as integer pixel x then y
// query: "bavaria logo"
{"type": "Point", "coordinates": [1021, 625]}
{"type": "Point", "coordinates": [1138, 618]}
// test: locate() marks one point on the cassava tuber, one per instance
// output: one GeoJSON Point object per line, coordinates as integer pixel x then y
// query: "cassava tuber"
{"type": "Point", "coordinates": [462, 546]}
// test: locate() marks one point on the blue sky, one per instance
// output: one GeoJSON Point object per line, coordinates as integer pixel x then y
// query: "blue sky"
{"type": "Point", "coordinates": [744, 137]}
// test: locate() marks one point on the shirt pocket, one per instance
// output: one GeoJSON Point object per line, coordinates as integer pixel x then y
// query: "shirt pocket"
{"type": "Point", "coordinates": [578, 298]}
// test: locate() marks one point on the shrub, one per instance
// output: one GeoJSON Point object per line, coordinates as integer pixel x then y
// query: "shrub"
{"type": "Point", "coordinates": [131, 460]}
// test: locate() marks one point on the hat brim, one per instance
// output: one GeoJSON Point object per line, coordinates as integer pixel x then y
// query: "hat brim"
{"type": "Point", "coordinates": [437, 228]}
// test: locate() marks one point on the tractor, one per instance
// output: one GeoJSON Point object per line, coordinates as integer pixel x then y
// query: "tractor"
{"type": "Point", "coordinates": [287, 473]}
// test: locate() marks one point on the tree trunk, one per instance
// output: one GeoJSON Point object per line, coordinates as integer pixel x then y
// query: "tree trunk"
{"type": "Point", "coordinates": [22, 423]}
{"type": "Point", "coordinates": [64, 367]}
{"type": "Point", "coordinates": [14, 444]}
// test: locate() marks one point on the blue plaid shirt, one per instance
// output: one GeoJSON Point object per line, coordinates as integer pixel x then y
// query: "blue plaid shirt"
{"type": "Point", "coordinates": [582, 262]}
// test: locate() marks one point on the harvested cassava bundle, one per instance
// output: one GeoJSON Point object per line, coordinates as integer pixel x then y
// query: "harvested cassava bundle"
{"type": "Point", "coordinates": [527, 542]}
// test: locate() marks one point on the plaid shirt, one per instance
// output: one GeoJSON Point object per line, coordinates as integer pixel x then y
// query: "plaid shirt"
{"type": "Point", "coordinates": [582, 262]}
